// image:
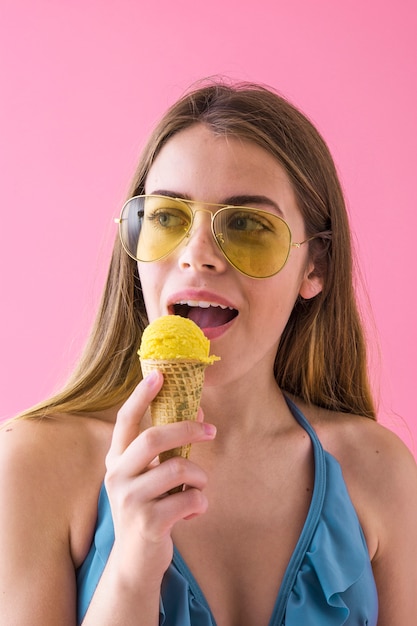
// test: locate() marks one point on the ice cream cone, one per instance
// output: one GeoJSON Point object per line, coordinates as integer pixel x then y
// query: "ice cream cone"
{"type": "Point", "coordinates": [177, 347]}
{"type": "Point", "coordinates": [179, 397]}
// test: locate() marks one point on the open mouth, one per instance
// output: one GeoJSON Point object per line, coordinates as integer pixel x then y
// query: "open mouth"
{"type": "Point", "coordinates": [205, 314]}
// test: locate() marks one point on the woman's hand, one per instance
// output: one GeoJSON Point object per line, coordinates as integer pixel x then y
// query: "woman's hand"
{"type": "Point", "coordinates": [138, 485]}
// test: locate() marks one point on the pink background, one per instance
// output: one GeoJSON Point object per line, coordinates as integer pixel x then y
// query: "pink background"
{"type": "Point", "coordinates": [83, 82]}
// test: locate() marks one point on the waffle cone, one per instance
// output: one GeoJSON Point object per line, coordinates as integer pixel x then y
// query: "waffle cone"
{"type": "Point", "coordinates": [179, 397]}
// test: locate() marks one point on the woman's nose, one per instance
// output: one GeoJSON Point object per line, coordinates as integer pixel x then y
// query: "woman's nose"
{"type": "Point", "coordinates": [200, 251]}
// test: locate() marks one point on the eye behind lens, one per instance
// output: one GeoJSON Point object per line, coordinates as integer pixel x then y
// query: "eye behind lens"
{"type": "Point", "coordinates": [255, 242]}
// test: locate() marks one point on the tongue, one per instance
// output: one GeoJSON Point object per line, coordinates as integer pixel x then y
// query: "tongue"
{"type": "Point", "coordinates": [210, 317]}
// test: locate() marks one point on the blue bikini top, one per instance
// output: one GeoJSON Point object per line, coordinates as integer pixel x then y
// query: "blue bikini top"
{"type": "Point", "coordinates": [328, 581]}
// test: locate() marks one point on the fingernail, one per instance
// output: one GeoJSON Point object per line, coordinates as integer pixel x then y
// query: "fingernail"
{"type": "Point", "coordinates": [151, 378]}
{"type": "Point", "coordinates": [209, 429]}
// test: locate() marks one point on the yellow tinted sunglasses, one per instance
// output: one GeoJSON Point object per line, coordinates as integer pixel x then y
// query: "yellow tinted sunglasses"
{"type": "Point", "coordinates": [255, 242]}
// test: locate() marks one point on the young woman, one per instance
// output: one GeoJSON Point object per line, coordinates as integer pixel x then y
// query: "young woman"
{"type": "Point", "coordinates": [299, 507]}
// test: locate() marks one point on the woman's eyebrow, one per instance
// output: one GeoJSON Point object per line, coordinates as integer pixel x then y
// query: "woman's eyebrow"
{"type": "Point", "coordinates": [170, 194]}
{"type": "Point", "coordinates": [253, 200]}
{"type": "Point", "coordinates": [247, 200]}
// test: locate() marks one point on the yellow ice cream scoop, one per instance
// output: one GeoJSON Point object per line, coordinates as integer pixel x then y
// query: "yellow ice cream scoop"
{"type": "Point", "coordinates": [175, 337]}
{"type": "Point", "coordinates": [178, 348]}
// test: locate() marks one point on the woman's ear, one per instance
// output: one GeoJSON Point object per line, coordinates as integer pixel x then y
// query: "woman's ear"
{"type": "Point", "coordinates": [312, 283]}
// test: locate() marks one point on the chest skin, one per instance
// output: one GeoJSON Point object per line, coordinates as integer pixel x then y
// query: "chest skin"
{"type": "Point", "coordinates": [239, 550]}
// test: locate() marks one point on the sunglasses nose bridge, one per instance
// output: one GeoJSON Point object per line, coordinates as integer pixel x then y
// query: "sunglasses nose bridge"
{"type": "Point", "coordinates": [203, 229]}
{"type": "Point", "coordinates": [194, 212]}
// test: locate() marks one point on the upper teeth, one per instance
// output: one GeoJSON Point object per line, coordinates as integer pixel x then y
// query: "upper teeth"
{"type": "Point", "coordinates": [203, 304]}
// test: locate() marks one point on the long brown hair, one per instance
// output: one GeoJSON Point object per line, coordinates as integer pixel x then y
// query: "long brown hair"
{"type": "Point", "coordinates": [322, 353]}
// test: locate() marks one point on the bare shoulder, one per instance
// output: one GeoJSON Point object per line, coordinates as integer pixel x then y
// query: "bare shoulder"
{"type": "Point", "coordinates": [380, 473]}
{"type": "Point", "coordinates": [366, 448]}
{"type": "Point", "coordinates": [354, 439]}
{"type": "Point", "coordinates": [32, 447]}
{"type": "Point", "coordinates": [53, 465]}
{"type": "Point", "coordinates": [368, 452]}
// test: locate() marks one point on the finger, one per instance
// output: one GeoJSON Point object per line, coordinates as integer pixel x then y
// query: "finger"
{"type": "Point", "coordinates": [184, 505]}
{"type": "Point", "coordinates": [130, 415]}
{"type": "Point", "coordinates": [159, 481]}
{"type": "Point", "coordinates": [156, 439]}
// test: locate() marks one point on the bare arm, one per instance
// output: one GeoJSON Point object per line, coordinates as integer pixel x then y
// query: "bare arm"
{"type": "Point", "coordinates": [381, 475]}
{"type": "Point", "coordinates": [37, 581]}
{"type": "Point", "coordinates": [394, 563]}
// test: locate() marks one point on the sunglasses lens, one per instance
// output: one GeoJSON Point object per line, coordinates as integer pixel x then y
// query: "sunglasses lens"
{"type": "Point", "coordinates": [256, 242]}
{"type": "Point", "coordinates": [153, 226]}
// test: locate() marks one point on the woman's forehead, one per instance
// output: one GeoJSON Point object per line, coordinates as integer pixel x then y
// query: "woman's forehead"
{"type": "Point", "coordinates": [202, 165]}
